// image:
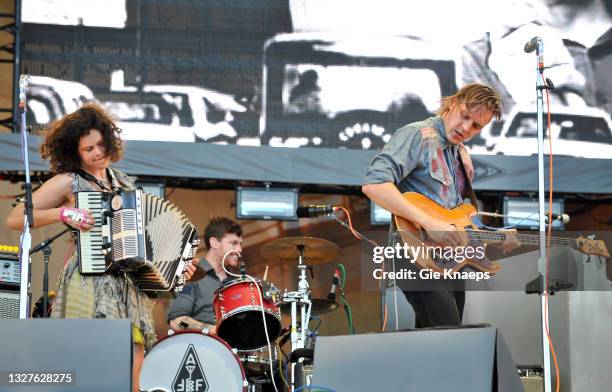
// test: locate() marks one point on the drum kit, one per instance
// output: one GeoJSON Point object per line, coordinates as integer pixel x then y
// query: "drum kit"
{"type": "Point", "coordinates": [243, 355]}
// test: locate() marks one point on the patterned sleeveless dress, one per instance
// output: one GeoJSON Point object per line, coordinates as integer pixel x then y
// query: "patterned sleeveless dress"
{"type": "Point", "coordinates": [108, 296]}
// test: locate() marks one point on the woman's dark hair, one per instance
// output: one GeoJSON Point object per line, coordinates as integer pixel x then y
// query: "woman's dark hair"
{"type": "Point", "coordinates": [61, 144]}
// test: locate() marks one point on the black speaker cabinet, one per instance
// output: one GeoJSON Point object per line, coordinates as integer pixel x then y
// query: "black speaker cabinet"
{"type": "Point", "coordinates": [66, 355]}
{"type": "Point", "coordinates": [470, 359]}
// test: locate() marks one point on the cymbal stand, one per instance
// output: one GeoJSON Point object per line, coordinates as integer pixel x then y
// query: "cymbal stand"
{"type": "Point", "coordinates": [301, 297]}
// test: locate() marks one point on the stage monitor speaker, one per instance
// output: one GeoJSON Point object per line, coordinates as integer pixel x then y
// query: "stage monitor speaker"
{"type": "Point", "coordinates": [66, 355]}
{"type": "Point", "coordinates": [9, 304]}
{"type": "Point", "coordinates": [470, 359]}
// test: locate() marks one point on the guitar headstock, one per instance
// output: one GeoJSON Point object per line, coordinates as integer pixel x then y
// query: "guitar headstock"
{"type": "Point", "coordinates": [593, 247]}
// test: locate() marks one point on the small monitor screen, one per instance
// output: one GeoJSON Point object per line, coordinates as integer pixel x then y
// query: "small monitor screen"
{"type": "Point", "coordinates": [378, 215]}
{"type": "Point", "coordinates": [522, 213]}
{"type": "Point", "coordinates": [266, 203]}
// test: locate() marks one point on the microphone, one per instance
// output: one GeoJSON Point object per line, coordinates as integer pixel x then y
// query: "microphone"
{"type": "Point", "coordinates": [312, 211]}
{"type": "Point", "coordinates": [562, 218]}
{"type": "Point", "coordinates": [242, 266]}
{"type": "Point", "coordinates": [335, 284]}
{"type": "Point", "coordinates": [24, 82]}
{"type": "Point", "coordinates": [536, 44]}
{"type": "Point", "coordinates": [532, 44]}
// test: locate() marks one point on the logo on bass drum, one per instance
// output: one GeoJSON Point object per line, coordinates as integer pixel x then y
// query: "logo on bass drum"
{"type": "Point", "coordinates": [190, 376]}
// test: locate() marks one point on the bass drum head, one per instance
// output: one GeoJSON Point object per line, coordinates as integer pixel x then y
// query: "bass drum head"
{"type": "Point", "coordinates": [192, 361]}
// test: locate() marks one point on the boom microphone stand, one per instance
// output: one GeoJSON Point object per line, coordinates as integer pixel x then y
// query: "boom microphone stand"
{"type": "Point", "coordinates": [46, 248]}
{"type": "Point", "coordinates": [25, 240]}
{"type": "Point", "coordinates": [536, 44]}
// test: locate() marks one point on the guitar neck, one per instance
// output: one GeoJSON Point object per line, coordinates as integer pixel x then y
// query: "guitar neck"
{"type": "Point", "coordinates": [525, 239]}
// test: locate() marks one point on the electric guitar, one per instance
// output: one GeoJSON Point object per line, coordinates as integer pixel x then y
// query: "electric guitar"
{"type": "Point", "coordinates": [460, 217]}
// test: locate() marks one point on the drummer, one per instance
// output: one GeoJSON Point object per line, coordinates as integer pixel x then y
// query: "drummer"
{"type": "Point", "coordinates": [193, 307]}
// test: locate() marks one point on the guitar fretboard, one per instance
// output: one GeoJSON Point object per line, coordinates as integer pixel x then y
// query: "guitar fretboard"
{"type": "Point", "coordinates": [525, 239]}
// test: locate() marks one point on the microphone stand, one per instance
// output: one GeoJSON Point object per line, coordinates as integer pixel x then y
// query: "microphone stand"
{"type": "Point", "coordinates": [25, 240]}
{"type": "Point", "coordinates": [383, 283]}
{"type": "Point", "coordinates": [45, 246]}
{"type": "Point", "coordinates": [242, 267]}
{"type": "Point", "coordinates": [342, 223]}
{"type": "Point", "coordinates": [542, 267]}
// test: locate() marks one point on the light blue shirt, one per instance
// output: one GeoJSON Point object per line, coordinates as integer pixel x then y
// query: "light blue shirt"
{"type": "Point", "coordinates": [418, 158]}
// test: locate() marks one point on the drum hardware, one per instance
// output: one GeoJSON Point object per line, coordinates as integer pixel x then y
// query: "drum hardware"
{"type": "Point", "coordinates": [299, 303]}
{"type": "Point", "coordinates": [242, 318]}
{"type": "Point", "coordinates": [257, 362]}
{"type": "Point", "coordinates": [304, 373]}
{"type": "Point", "coordinates": [185, 327]}
{"type": "Point", "coordinates": [314, 250]}
{"type": "Point", "coordinates": [319, 306]}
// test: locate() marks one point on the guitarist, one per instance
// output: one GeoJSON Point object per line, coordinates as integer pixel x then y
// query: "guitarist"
{"type": "Point", "coordinates": [429, 157]}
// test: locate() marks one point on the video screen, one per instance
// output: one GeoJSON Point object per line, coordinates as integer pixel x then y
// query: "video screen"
{"type": "Point", "coordinates": [306, 74]}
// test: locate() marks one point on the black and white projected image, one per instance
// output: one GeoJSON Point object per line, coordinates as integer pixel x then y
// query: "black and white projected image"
{"type": "Point", "coordinates": [349, 90]}
{"type": "Point", "coordinates": [577, 43]}
{"type": "Point", "coordinates": [336, 74]}
{"type": "Point", "coordinates": [168, 71]}
{"type": "Point", "coordinates": [585, 133]}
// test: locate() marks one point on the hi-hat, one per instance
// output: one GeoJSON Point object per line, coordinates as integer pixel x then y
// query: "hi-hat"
{"type": "Point", "coordinates": [319, 306]}
{"type": "Point", "coordinates": [314, 250]}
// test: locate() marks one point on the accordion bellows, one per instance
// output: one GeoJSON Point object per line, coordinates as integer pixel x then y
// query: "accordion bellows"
{"type": "Point", "coordinates": [136, 232]}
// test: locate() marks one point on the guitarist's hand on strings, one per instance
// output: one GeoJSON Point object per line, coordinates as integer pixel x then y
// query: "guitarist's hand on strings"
{"type": "Point", "coordinates": [511, 241]}
{"type": "Point", "coordinates": [445, 234]}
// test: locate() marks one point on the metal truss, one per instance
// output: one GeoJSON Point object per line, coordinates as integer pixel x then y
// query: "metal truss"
{"type": "Point", "coordinates": [13, 27]}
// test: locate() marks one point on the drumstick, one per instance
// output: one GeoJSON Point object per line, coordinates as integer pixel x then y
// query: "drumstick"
{"type": "Point", "coordinates": [266, 273]}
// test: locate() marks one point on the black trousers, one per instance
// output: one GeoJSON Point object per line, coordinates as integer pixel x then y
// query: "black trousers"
{"type": "Point", "coordinates": [437, 308]}
{"type": "Point", "coordinates": [435, 303]}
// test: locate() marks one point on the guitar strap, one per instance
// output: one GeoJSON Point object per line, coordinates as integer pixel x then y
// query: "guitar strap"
{"type": "Point", "coordinates": [468, 183]}
{"type": "Point", "coordinates": [392, 236]}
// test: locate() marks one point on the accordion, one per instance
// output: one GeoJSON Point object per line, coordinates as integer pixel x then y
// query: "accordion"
{"type": "Point", "coordinates": [142, 234]}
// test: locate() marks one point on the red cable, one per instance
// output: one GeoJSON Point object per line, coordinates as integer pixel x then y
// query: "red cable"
{"type": "Point", "coordinates": [359, 237]}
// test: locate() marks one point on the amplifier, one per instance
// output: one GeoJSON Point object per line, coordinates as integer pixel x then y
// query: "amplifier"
{"type": "Point", "coordinates": [10, 275]}
{"type": "Point", "coordinates": [9, 304]}
{"type": "Point", "coordinates": [532, 378]}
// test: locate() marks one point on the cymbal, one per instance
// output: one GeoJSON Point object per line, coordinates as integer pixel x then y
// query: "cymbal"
{"type": "Point", "coordinates": [319, 306]}
{"type": "Point", "coordinates": [316, 250]}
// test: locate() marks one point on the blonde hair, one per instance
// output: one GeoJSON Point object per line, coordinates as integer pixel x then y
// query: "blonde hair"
{"type": "Point", "coordinates": [474, 95]}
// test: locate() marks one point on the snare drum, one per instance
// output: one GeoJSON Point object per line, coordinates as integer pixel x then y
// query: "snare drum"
{"type": "Point", "coordinates": [239, 317]}
{"type": "Point", "coordinates": [192, 361]}
{"type": "Point", "coordinates": [258, 362]}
